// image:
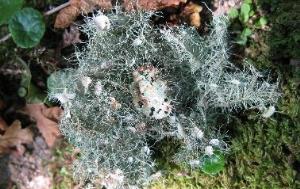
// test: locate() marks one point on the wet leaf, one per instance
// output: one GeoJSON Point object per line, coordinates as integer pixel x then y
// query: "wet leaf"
{"type": "Point", "coordinates": [71, 36]}
{"type": "Point", "coordinates": [14, 137]}
{"type": "Point", "coordinates": [3, 125]}
{"type": "Point", "coordinates": [67, 15]}
{"type": "Point", "coordinates": [191, 13]}
{"type": "Point", "coordinates": [153, 5]}
{"type": "Point", "coordinates": [46, 121]}
{"type": "Point", "coordinates": [8, 8]}
{"type": "Point", "coordinates": [27, 27]}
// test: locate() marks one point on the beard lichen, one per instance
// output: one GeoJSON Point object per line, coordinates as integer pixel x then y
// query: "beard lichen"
{"type": "Point", "coordinates": [136, 82]}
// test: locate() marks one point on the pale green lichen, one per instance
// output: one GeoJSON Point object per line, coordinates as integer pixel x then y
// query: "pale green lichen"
{"type": "Point", "coordinates": [109, 112]}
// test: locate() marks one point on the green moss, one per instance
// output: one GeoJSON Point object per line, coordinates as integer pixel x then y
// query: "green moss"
{"type": "Point", "coordinates": [264, 153]}
{"type": "Point", "coordinates": [284, 36]}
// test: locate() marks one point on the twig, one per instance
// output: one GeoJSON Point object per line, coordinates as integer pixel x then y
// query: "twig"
{"type": "Point", "coordinates": [3, 39]}
{"type": "Point", "coordinates": [48, 13]}
{"type": "Point", "coordinates": [57, 9]}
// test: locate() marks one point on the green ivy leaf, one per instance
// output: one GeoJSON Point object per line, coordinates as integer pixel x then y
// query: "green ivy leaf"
{"type": "Point", "coordinates": [213, 164]}
{"type": "Point", "coordinates": [233, 13]}
{"type": "Point", "coordinates": [27, 27]}
{"type": "Point", "coordinates": [8, 8]}
{"type": "Point", "coordinates": [245, 12]}
{"type": "Point", "coordinates": [241, 40]}
{"type": "Point", "coordinates": [251, 13]}
{"type": "Point", "coordinates": [248, 1]}
{"type": "Point", "coordinates": [246, 32]}
{"type": "Point", "coordinates": [261, 22]}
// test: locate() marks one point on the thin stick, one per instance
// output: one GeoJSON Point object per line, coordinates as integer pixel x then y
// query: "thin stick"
{"type": "Point", "coordinates": [6, 37]}
{"type": "Point", "coordinates": [57, 8]}
{"type": "Point", "coordinates": [48, 13]}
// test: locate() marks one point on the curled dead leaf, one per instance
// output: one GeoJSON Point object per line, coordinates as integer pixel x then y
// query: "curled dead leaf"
{"type": "Point", "coordinates": [152, 5]}
{"type": "Point", "coordinates": [2, 104]}
{"type": "Point", "coordinates": [71, 36]}
{"type": "Point", "coordinates": [14, 137]}
{"type": "Point", "coordinates": [3, 125]}
{"type": "Point", "coordinates": [46, 121]}
{"type": "Point", "coordinates": [191, 13]}
{"type": "Point", "coordinates": [67, 15]}
{"type": "Point", "coordinates": [223, 7]}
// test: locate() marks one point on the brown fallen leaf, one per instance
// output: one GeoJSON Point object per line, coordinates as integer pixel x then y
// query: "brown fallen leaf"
{"type": "Point", "coordinates": [153, 5]}
{"type": "Point", "coordinates": [223, 7]}
{"type": "Point", "coordinates": [191, 13]}
{"type": "Point", "coordinates": [67, 15]}
{"type": "Point", "coordinates": [2, 104]}
{"type": "Point", "coordinates": [71, 36]}
{"type": "Point", "coordinates": [46, 121]}
{"type": "Point", "coordinates": [14, 137]}
{"type": "Point", "coordinates": [3, 125]}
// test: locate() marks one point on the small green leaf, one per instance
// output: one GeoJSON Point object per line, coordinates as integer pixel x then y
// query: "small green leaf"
{"type": "Point", "coordinates": [247, 1]}
{"type": "Point", "coordinates": [251, 13]}
{"type": "Point", "coordinates": [246, 32]}
{"type": "Point", "coordinates": [8, 9]}
{"type": "Point", "coordinates": [213, 164]}
{"type": "Point", "coordinates": [233, 13]}
{"type": "Point", "coordinates": [27, 27]}
{"type": "Point", "coordinates": [245, 12]}
{"type": "Point", "coordinates": [241, 40]}
{"type": "Point", "coordinates": [243, 37]}
{"type": "Point", "coordinates": [261, 22]}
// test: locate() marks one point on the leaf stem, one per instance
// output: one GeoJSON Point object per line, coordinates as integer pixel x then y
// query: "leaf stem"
{"type": "Point", "coordinates": [58, 8]}
{"type": "Point", "coordinates": [6, 37]}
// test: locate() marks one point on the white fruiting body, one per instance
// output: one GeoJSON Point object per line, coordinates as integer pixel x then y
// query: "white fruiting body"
{"type": "Point", "coordinates": [86, 81]}
{"type": "Point", "coordinates": [209, 150]}
{"type": "Point", "coordinates": [102, 22]}
{"type": "Point", "coordinates": [98, 90]}
{"type": "Point", "coordinates": [197, 133]}
{"type": "Point", "coordinates": [146, 150]}
{"type": "Point", "coordinates": [268, 112]}
{"type": "Point", "coordinates": [214, 142]}
{"type": "Point", "coordinates": [137, 42]}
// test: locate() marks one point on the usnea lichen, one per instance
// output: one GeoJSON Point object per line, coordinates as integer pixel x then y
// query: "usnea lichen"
{"type": "Point", "coordinates": [136, 82]}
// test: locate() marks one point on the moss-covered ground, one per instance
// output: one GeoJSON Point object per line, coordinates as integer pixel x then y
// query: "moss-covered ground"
{"type": "Point", "coordinates": [264, 153]}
